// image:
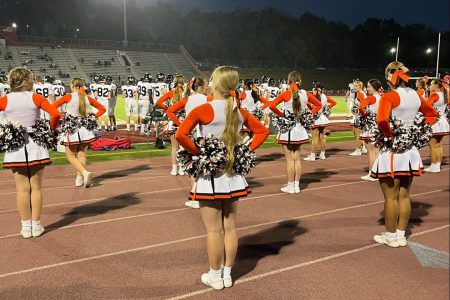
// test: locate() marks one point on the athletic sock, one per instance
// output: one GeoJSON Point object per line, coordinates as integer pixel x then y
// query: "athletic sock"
{"type": "Point", "coordinates": [174, 168]}
{"type": "Point", "coordinates": [438, 164]}
{"type": "Point", "coordinates": [226, 270]}
{"type": "Point", "coordinates": [128, 126]}
{"type": "Point", "coordinates": [26, 224]}
{"type": "Point", "coordinates": [135, 127]}
{"type": "Point", "coordinates": [215, 274]}
{"type": "Point", "coordinates": [391, 235]}
{"type": "Point", "coordinates": [36, 224]}
{"type": "Point", "coordinates": [400, 233]}
{"type": "Point", "coordinates": [291, 184]}
{"type": "Point", "coordinates": [322, 152]}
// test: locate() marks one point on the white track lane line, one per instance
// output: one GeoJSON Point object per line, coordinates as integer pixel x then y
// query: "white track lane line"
{"type": "Point", "coordinates": [70, 262]}
{"type": "Point", "coordinates": [301, 265]}
{"type": "Point", "coordinates": [143, 193]}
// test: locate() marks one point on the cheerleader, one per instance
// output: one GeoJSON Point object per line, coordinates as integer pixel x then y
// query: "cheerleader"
{"type": "Point", "coordinates": [194, 96]}
{"type": "Point", "coordinates": [319, 125]}
{"type": "Point", "coordinates": [371, 102]}
{"type": "Point", "coordinates": [28, 161]}
{"type": "Point", "coordinates": [421, 85]}
{"type": "Point", "coordinates": [396, 170]}
{"type": "Point", "coordinates": [78, 140]}
{"type": "Point", "coordinates": [438, 99]}
{"type": "Point", "coordinates": [250, 98]}
{"type": "Point", "coordinates": [173, 97]}
{"type": "Point", "coordinates": [360, 95]}
{"type": "Point", "coordinates": [218, 196]}
{"type": "Point", "coordinates": [295, 100]}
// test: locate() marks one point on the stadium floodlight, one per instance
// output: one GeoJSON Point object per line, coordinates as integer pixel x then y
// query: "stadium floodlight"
{"type": "Point", "coordinates": [428, 51]}
{"type": "Point", "coordinates": [78, 29]}
{"type": "Point", "coordinates": [393, 50]}
{"type": "Point", "coordinates": [14, 25]}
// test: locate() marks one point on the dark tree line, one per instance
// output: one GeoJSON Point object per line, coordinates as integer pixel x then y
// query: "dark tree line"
{"type": "Point", "coordinates": [243, 35]}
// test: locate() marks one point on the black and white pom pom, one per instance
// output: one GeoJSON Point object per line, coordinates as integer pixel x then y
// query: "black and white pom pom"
{"type": "Point", "coordinates": [42, 134]}
{"type": "Point", "coordinates": [447, 113]}
{"type": "Point", "coordinates": [211, 160]}
{"type": "Point", "coordinates": [403, 137]}
{"type": "Point", "coordinates": [181, 115]}
{"type": "Point", "coordinates": [258, 113]}
{"type": "Point", "coordinates": [326, 110]}
{"type": "Point", "coordinates": [366, 122]}
{"type": "Point", "coordinates": [307, 119]}
{"type": "Point", "coordinates": [284, 123]}
{"type": "Point", "coordinates": [70, 123]}
{"type": "Point", "coordinates": [422, 131]}
{"type": "Point", "coordinates": [379, 140]}
{"type": "Point", "coordinates": [244, 159]}
{"type": "Point", "coordinates": [12, 136]}
{"type": "Point", "coordinates": [90, 122]}
{"type": "Point", "coordinates": [355, 110]}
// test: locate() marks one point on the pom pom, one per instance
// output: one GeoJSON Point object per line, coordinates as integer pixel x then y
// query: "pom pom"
{"type": "Point", "coordinates": [422, 132]}
{"type": "Point", "coordinates": [90, 122]}
{"type": "Point", "coordinates": [307, 119]}
{"type": "Point", "coordinates": [366, 122]}
{"type": "Point", "coordinates": [12, 136]}
{"type": "Point", "coordinates": [211, 160]}
{"type": "Point", "coordinates": [447, 113]}
{"type": "Point", "coordinates": [181, 115]}
{"type": "Point", "coordinates": [42, 134]}
{"type": "Point", "coordinates": [258, 113]}
{"type": "Point", "coordinates": [326, 110]}
{"type": "Point", "coordinates": [70, 123]}
{"type": "Point", "coordinates": [244, 159]}
{"type": "Point", "coordinates": [284, 123]}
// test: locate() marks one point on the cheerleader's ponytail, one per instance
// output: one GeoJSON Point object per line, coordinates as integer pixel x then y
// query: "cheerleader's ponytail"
{"type": "Point", "coordinates": [79, 84]}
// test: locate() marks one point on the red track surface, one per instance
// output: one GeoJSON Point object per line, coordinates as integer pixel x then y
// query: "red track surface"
{"type": "Point", "coordinates": [130, 237]}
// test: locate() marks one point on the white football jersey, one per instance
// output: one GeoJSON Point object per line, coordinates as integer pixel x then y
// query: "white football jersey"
{"type": "Point", "coordinates": [129, 91]}
{"type": "Point", "coordinates": [58, 91]}
{"type": "Point", "coordinates": [263, 87]}
{"type": "Point", "coordinates": [158, 88]}
{"type": "Point", "coordinates": [144, 89]}
{"type": "Point", "coordinates": [272, 92]}
{"type": "Point", "coordinates": [43, 89]}
{"type": "Point", "coordinates": [351, 89]}
{"type": "Point", "coordinates": [113, 89]}
{"type": "Point", "coordinates": [103, 92]}
{"type": "Point", "coordinates": [93, 88]}
{"type": "Point", "coordinates": [284, 87]}
{"type": "Point", "coordinates": [4, 89]}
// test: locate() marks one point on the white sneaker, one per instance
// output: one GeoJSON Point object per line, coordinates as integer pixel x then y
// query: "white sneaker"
{"type": "Point", "coordinates": [357, 152]}
{"type": "Point", "coordinates": [288, 189]}
{"type": "Point", "coordinates": [38, 231]}
{"type": "Point", "coordinates": [385, 240]}
{"type": "Point", "coordinates": [79, 181]}
{"type": "Point", "coordinates": [192, 204]}
{"type": "Point", "coordinates": [296, 189]}
{"type": "Point", "coordinates": [322, 156]}
{"type": "Point", "coordinates": [174, 172]}
{"type": "Point", "coordinates": [87, 178]}
{"type": "Point", "coordinates": [369, 178]}
{"type": "Point", "coordinates": [311, 157]}
{"type": "Point", "coordinates": [215, 284]}
{"type": "Point", "coordinates": [364, 150]}
{"type": "Point", "coordinates": [227, 281]}
{"type": "Point", "coordinates": [402, 242]}
{"type": "Point", "coordinates": [26, 233]}
{"type": "Point", "coordinates": [180, 172]}
{"type": "Point", "coordinates": [431, 170]}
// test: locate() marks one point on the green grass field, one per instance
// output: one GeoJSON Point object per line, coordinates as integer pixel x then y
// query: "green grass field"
{"type": "Point", "coordinates": [140, 151]}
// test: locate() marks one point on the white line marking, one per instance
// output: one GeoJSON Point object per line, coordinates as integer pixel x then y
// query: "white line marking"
{"type": "Point", "coordinates": [192, 238]}
{"type": "Point", "coordinates": [301, 265]}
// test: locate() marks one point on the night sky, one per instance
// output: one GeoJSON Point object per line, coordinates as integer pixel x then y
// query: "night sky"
{"type": "Point", "coordinates": [351, 12]}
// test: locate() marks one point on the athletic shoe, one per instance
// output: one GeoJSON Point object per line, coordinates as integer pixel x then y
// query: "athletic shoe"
{"type": "Point", "coordinates": [174, 172]}
{"type": "Point", "coordinates": [430, 170]}
{"type": "Point", "coordinates": [38, 231]}
{"type": "Point", "coordinates": [79, 181]}
{"type": "Point", "coordinates": [402, 242]}
{"type": "Point", "coordinates": [215, 284]}
{"type": "Point", "coordinates": [180, 172]}
{"type": "Point", "coordinates": [322, 156]}
{"type": "Point", "coordinates": [192, 204]}
{"type": "Point", "coordinates": [368, 178]}
{"type": "Point", "coordinates": [385, 240]}
{"type": "Point", "coordinates": [296, 189]}
{"type": "Point", "coordinates": [364, 150]}
{"type": "Point", "coordinates": [357, 152]}
{"type": "Point", "coordinates": [311, 157]}
{"type": "Point", "coordinates": [87, 178]}
{"type": "Point", "coordinates": [26, 233]}
{"type": "Point", "coordinates": [288, 189]}
{"type": "Point", "coordinates": [227, 281]}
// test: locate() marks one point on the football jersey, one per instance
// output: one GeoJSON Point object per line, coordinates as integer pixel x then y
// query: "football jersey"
{"type": "Point", "coordinates": [58, 90]}
{"type": "Point", "coordinates": [4, 89]}
{"type": "Point", "coordinates": [272, 92]}
{"type": "Point", "coordinates": [93, 88]}
{"type": "Point", "coordinates": [144, 89]}
{"type": "Point", "coordinates": [113, 89]}
{"type": "Point", "coordinates": [158, 88]}
{"type": "Point", "coordinates": [103, 92]}
{"type": "Point", "coordinates": [351, 89]}
{"type": "Point", "coordinates": [263, 87]}
{"type": "Point", "coordinates": [284, 87]}
{"type": "Point", "coordinates": [129, 91]}
{"type": "Point", "coordinates": [43, 89]}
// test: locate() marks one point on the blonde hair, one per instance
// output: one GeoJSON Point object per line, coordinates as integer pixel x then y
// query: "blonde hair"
{"type": "Point", "coordinates": [295, 77]}
{"type": "Point", "coordinates": [224, 80]}
{"type": "Point", "coordinates": [18, 78]}
{"type": "Point", "coordinates": [390, 69]}
{"type": "Point", "coordinates": [79, 83]}
{"type": "Point", "coordinates": [359, 84]}
{"type": "Point", "coordinates": [177, 93]}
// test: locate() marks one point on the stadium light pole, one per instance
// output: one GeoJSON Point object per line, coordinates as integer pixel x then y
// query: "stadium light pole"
{"type": "Point", "coordinates": [396, 50]}
{"type": "Point", "coordinates": [125, 38]}
{"type": "Point", "coordinates": [438, 51]}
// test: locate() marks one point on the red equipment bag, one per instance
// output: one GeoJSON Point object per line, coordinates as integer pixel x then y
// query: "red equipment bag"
{"type": "Point", "coordinates": [108, 144]}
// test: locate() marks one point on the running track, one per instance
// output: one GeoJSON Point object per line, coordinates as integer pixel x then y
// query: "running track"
{"type": "Point", "coordinates": [130, 237]}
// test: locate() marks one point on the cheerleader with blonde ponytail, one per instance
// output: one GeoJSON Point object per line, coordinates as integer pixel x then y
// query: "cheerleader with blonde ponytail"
{"type": "Point", "coordinates": [77, 140]}
{"type": "Point", "coordinates": [221, 118]}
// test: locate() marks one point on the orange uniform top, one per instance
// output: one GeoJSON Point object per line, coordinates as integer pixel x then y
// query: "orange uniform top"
{"type": "Point", "coordinates": [66, 99]}
{"type": "Point", "coordinates": [433, 98]}
{"type": "Point", "coordinates": [421, 92]}
{"type": "Point", "coordinates": [204, 115]}
{"type": "Point", "coordinates": [286, 96]}
{"type": "Point", "coordinates": [41, 103]}
{"type": "Point", "coordinates": [163, 98]}
{"type": "Point", "coordinates": [170, 112]}
{"type": "Point", "coordinates": [265, 102]}
{"type": "Point", "coordinates": [391, 100]}
{"type": "Point", "coordinates": [369, 100]}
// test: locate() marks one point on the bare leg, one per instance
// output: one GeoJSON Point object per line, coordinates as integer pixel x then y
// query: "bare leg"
{"type": "Point", "coordinates": [323, 141]}
{"type": "Point", "coordinates": [229, 225]}
{"type": "Point", "coordinates": [290, 165]}
{"type": "Point", "coordinates": [404, 202]}
{"type": "Point", "coordinates": [73, 160]}
{"type": "Point", "coordinates": [211, 213]}
{"type": "Point", "coordinates": [297, 162]}
{"type": "Point", "coordinates": [391, 189]}
{"type": "Point", "coordinates": [314, 142]}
